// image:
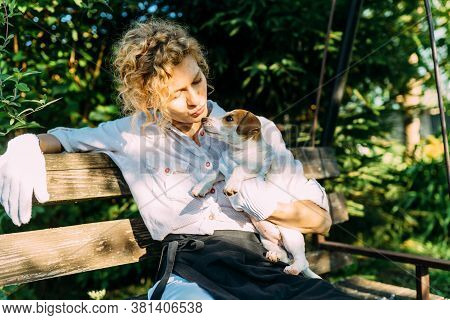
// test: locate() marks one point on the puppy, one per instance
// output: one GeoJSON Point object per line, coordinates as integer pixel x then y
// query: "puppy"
{"type": "Point", "coordinates": [252, 156]}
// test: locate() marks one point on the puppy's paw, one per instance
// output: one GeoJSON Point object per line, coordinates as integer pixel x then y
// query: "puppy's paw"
{"type": "Point", "coordinates": [232, 187]}
{"type": "Point", "coordinates": [200, 190]}
{"type": "Point", "coordinates": [272, 256]}
{"type": "Point", "coordinates": [229, 192]}
{"type": "Point", "coordinates": [297, 266]}
{"type": "Point", "coordinates": [292, 269]}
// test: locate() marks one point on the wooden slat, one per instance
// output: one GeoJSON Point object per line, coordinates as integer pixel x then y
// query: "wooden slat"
{"type": "Point", "coordinates": [338, 209]}
{"type": "Point", "coordinates": [75, 161]}
{"type": "Point", "coordinates": [73, 177]}
{"type": "Point", "coordinates": [49, 253]}
{"type": "Point", "coordinates": [324, 261]}
{"type": "Point", "coordinates": [85, 184]}
{"type": "Point", "coordinates": [43, 254]}
{"type": "Point", "coordinates": [318, 162]}
{"type": "Point", "coordinates": [361, 288]}
{"type": "Point", "coordinates": [83, 176]}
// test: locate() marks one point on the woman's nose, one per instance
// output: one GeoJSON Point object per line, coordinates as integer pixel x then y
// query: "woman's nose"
{"type": "Point", "coordinates": [193, 97]}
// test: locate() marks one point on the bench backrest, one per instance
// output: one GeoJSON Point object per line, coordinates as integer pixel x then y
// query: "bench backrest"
{"type": "Point", "coordinates": [72, 177]}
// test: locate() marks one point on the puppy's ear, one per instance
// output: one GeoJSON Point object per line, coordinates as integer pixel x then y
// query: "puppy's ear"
{"type": "Point", "coordinates": [249, 126]}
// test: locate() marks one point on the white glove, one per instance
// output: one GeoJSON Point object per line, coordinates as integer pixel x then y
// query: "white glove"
{"type": "Point", "coordinates": [22, 170]}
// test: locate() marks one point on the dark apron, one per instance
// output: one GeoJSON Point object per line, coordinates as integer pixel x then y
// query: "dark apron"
{"type": "Point", "coordinates": [231, 265]}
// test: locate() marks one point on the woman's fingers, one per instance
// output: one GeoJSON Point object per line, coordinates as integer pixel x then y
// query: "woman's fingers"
{"type": "Point", "coordinates": [14, 201]}
{"type": "Point", "coordinates": [26, 194]}
{"type": "Point", "coordinates": [5, 194]}
{"type": "Point", "coordinates": [40, 183]}
{"type": "Point", "coordinates": [2, 182]}
{"type": "Point", "coordinates": [3, 160]}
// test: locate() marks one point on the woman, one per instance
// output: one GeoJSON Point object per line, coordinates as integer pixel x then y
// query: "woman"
{"type": "Point", "coordinates": [211, 250]}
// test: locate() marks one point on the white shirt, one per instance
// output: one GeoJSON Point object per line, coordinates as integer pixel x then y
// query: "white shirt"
{"type": "Point", "coordinates": [161, 169]}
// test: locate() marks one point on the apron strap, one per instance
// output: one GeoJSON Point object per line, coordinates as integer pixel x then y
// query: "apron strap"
{"type": "Point", "coordinates": [171, 253]}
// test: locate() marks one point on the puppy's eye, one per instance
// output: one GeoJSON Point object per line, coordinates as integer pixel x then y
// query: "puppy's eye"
{"type": "Point", "coordinates": [229, 118]}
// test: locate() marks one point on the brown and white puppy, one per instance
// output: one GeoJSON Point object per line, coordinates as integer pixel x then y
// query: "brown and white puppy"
{"type": "Point", "coordinates": [251, 156]}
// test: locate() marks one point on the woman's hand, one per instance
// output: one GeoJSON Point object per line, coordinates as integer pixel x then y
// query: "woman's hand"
{"type": "Point", "coordinates": [22, 171]}
{"type": "Point", "coordinates": [304, 215]}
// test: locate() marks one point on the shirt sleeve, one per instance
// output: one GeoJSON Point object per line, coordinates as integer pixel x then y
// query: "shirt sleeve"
{"type": "Point", "coordinates": [216, 110]}
{"type": "Point", "coordinates": [285, 183]}
{"type": "Point", "coordinates": [111, 136]}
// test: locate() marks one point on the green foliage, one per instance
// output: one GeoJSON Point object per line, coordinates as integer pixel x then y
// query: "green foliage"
{"type": "Point", "coordinates": [14, 91]}
{"type": "Point", "coordinates": [424, 205]}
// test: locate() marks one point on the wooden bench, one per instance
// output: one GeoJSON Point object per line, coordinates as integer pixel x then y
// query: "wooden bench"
{"type": "Point", "coordinates": [372, 290]}
{"type": "Point", "coordinates": [73, 177]}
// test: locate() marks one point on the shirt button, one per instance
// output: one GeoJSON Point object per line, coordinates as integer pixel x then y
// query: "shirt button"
{"type": "Point", "coordinates": [207, 164]}
{"type": "Point", "coordinates": [211, 216]}
{"type": "Point", "coordinates": [213, 190]}
{"type": "Point", "coordinates": [167, 170]}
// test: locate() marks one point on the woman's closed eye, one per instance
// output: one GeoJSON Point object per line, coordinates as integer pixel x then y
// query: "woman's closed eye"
{"type": "Point", "coordinates": [177, 94]}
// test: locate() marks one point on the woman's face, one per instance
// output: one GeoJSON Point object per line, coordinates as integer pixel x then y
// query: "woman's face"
{"type": "Point", "coordinates": [188, 88]}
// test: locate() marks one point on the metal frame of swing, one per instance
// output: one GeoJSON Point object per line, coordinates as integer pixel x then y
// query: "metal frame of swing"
{"type": "Point", "coordinates": [421, 263]}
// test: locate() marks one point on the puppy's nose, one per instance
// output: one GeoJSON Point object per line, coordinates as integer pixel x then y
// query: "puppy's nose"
{"type": "Point", "coordinates": [204, 120]}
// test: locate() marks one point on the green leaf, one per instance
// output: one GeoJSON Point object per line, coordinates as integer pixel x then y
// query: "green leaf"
{"type": "Point", "coordinates": [74, 35]}
{"type": "Point", "coordinates": [79, 3]}
{"type": "Point", "coordinates": [19, 56]}
{"type": "Point", "coordinates": [22, 87]}
{"type": "Point", "coordinates": [262, 67]}
{"type": "Point", "coordinates": [234, 31]}
{"type": "Point", "coordinates": [246, 82]}
{"type": "Point", "coordinates": [29, 73]}
{"type": "Point", "coordinates": [51, 20]}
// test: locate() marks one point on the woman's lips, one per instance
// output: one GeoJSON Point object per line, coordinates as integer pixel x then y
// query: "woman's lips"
{"type": "Point", "coordinates": [198, 112]}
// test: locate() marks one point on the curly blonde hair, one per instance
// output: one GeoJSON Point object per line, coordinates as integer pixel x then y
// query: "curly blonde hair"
{"type": "Point", "coordinates": [144, 58]}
